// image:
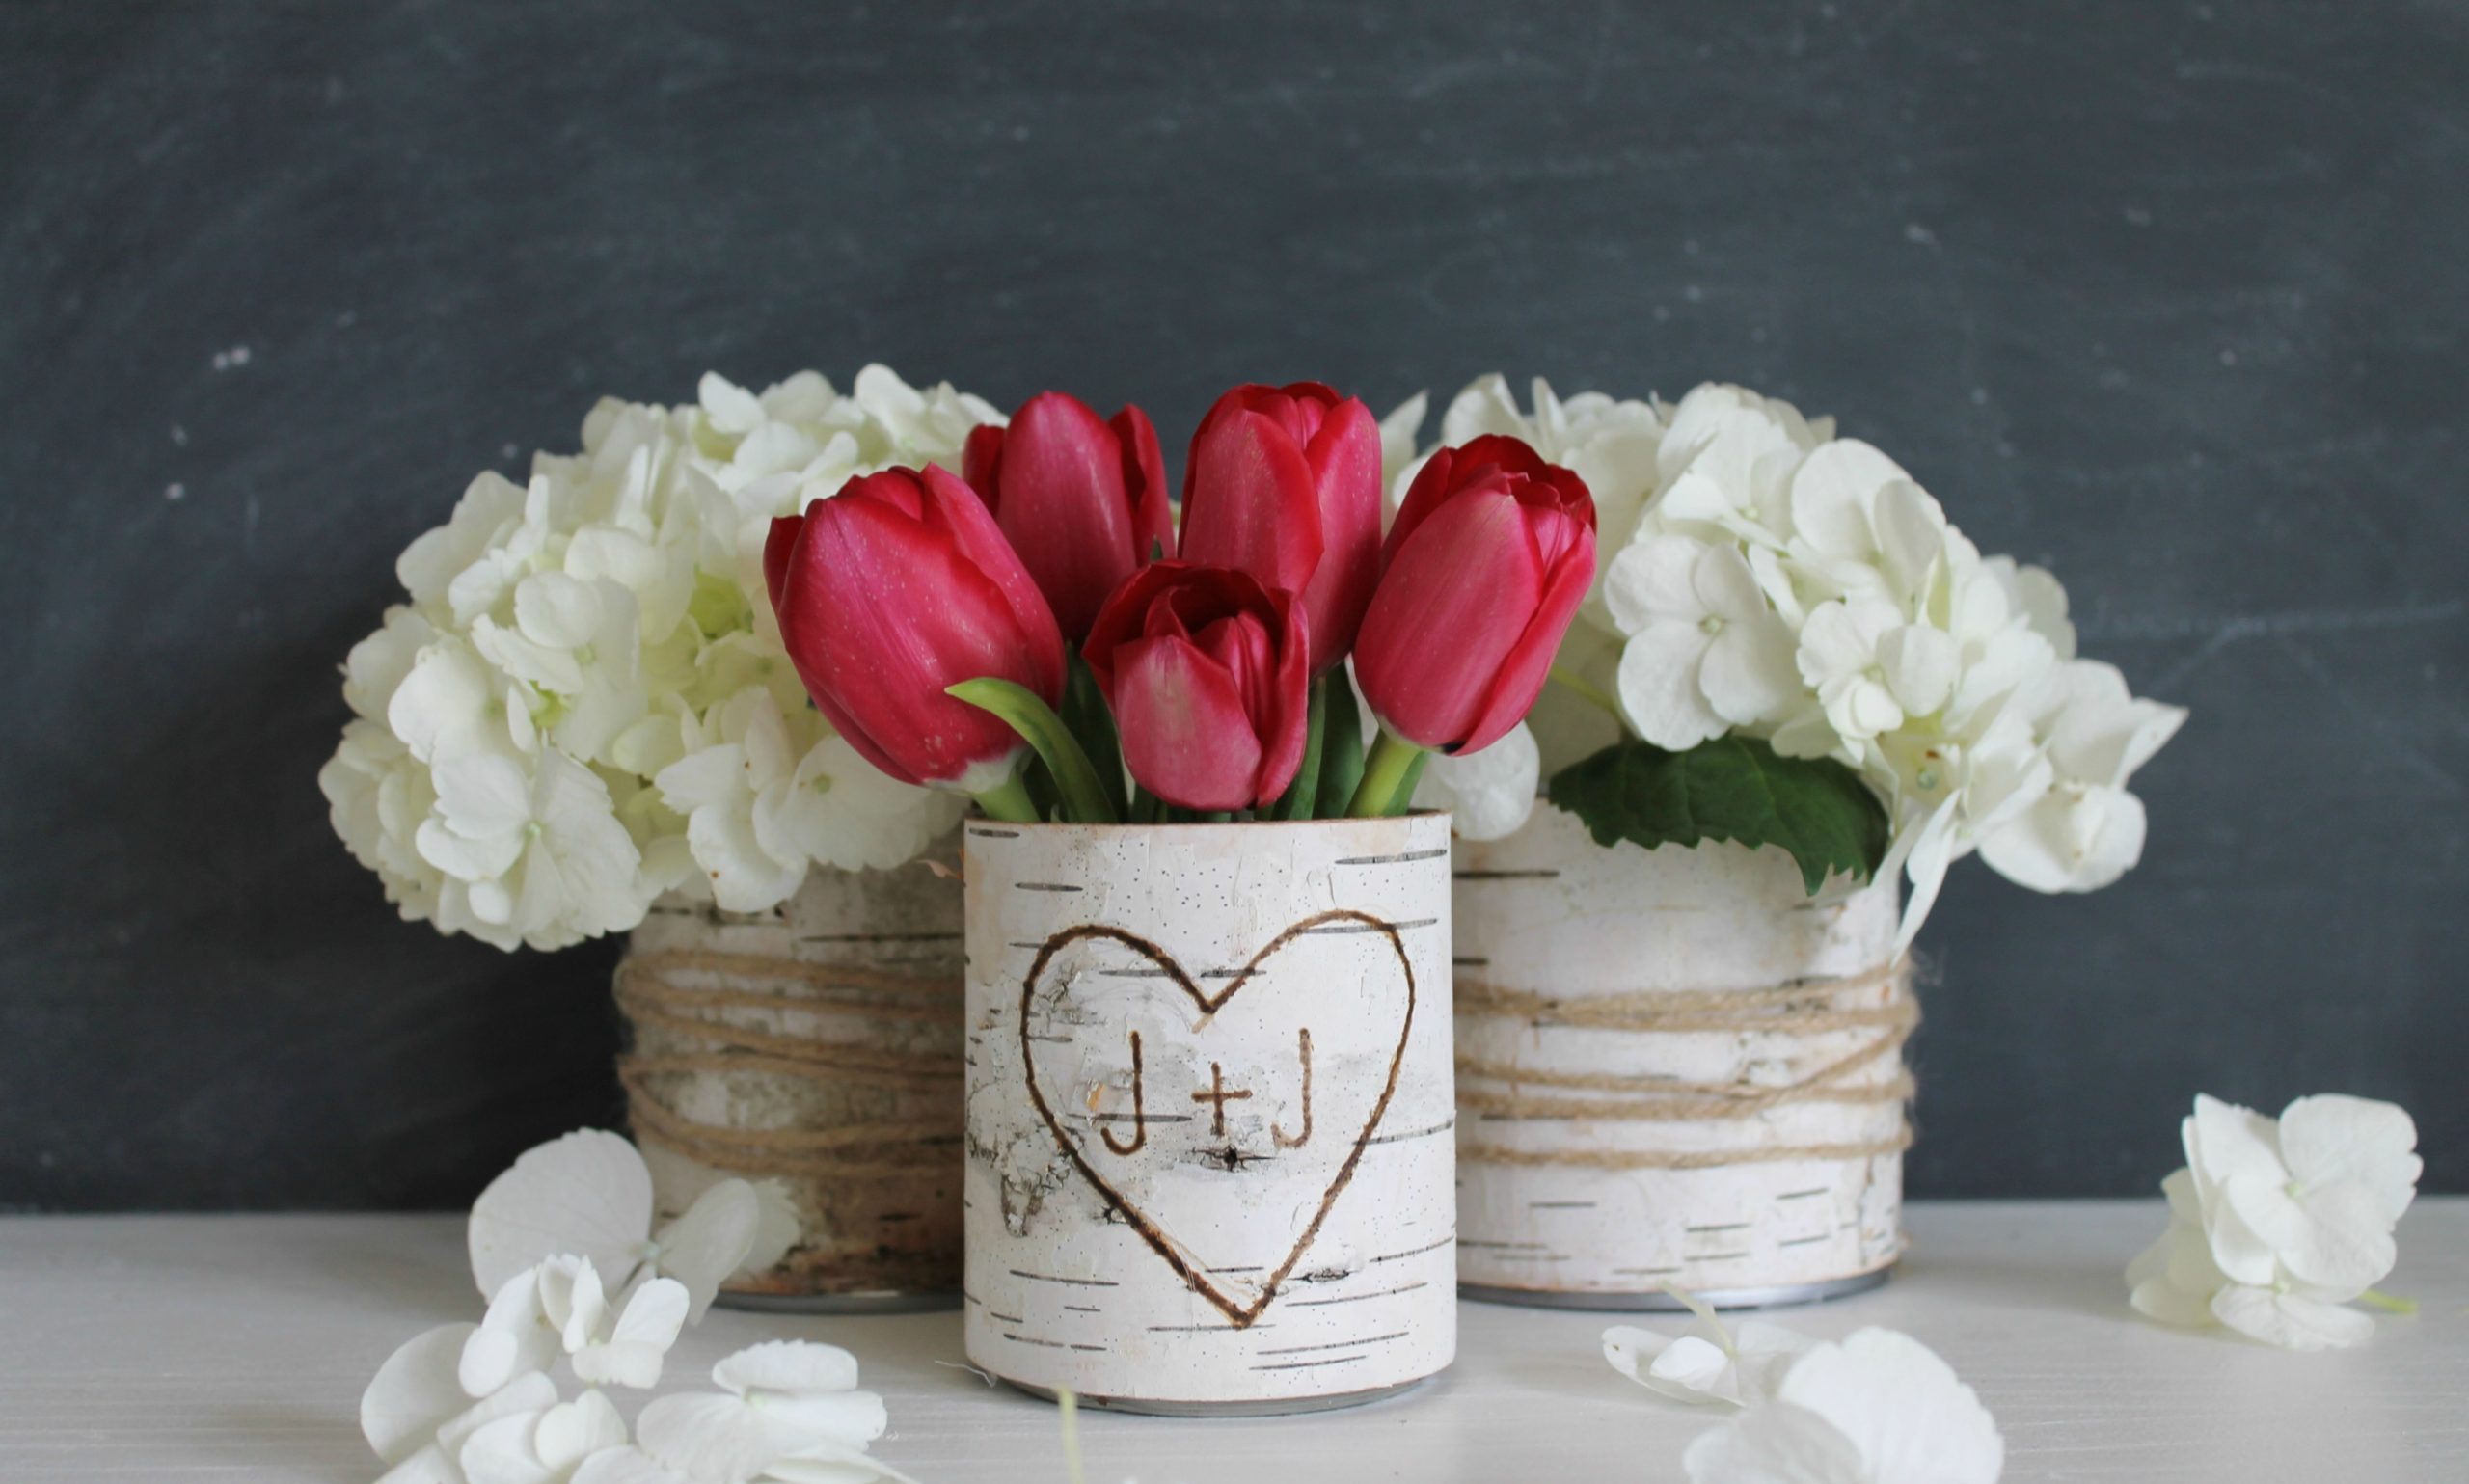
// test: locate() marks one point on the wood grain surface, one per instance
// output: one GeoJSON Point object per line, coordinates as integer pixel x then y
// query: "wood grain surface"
{"type": "Point", "coordinates": [147, 1350]}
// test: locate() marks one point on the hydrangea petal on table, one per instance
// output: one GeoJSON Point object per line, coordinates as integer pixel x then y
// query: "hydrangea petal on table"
{"type": "Point", "coordinates": [1776, 600]}
{"type": "Point", "coordinates": [585, 701]}
{"type": "Point", "coordinates": [561, 1246]}
{"type": "Point", "coordinates": [2276, 1224]}
{"type": "Point", "coordinates": [1876, 1408]}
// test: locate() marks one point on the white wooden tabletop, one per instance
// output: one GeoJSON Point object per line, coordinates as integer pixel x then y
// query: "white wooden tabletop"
{"type": "Point", "coordinates": [235, 1348]}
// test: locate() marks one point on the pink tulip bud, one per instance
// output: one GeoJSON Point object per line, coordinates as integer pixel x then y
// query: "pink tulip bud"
{"type": "Point", "coordinates": [1082, 500]}
{"type": "Point", "coordinates": [893, 589]}
{"type": "Point", "coordinates": [1284, 484]}
{"type": "Point", "coordinates": [1490, 556]}
{"type": "Point", "coordinates": [1204, 671]}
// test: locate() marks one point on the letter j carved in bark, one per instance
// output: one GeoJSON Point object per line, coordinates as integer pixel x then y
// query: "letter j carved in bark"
{"type": "Point", "coordinates": [1286, 1141]}
{"type": "Point", "coordinates": [1139, 1114]}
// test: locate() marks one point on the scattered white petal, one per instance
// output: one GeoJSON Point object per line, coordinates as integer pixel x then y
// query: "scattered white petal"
{"type": "Point", "coordinates": [710, 1240]}
{"type": "Point", "coordinates": [587, 1194]}
{"type": "Point", "coordinates": [414, 1392]}
{"type": "Point", "coordinates": [1712, 1365]}
{"type": "Point", "coordinates": [1878, 1407]}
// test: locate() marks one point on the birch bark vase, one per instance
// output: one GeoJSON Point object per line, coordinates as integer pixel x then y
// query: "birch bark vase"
{"type": "Point", "coordinates": [1674, 1069]}
{"type": "Point", "coordinates": [1210, 1111]}
{"type": "Point", "coordinates": [816, 1044]}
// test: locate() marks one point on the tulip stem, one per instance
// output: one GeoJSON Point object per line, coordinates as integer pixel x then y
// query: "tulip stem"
{"type": "Point", "coordinates": [1387, 774]}
{"type": "Point", "coordinates": [1009, 800]}
{"type": "Point", "coordinates": [1304, 792]}
{"type": "Point", "coordinates": [1580, 686]}
{"type": "Point", "coordinates": [1084, 710]}
{"type": "Point", "coordinates": [1405, 799]}
{"type": "Point", "coordinates": [1341, 750]}
{"type": "Point", "coordinates": [1084, 797]}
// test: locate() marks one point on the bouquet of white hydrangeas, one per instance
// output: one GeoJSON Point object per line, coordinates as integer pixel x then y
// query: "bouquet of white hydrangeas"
{"type": "Point", "coordinates": [1804, 652]}
{"type": "Point", "coordinates": [585, 703]}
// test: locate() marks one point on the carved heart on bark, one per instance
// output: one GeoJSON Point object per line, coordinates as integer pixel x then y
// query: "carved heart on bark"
{"type": "Point", "coordinates": [1090, 1076]}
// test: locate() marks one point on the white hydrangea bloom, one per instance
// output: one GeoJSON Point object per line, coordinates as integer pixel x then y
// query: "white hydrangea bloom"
{"type": "Point", "coordinates": [1760, 576]}
{"type": "Point", "coordinates": [1708, 651]}
{"type": "Point", "coordinates": [2276, 1224]}
{"type": "Point", "coordinates": [569, 640]}
{"type": "Point", "coordinates": [2087, 830]}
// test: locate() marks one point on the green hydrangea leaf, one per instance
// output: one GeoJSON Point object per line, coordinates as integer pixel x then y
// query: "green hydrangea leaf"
{"type": "Point", "coordinates": [1733, 788]}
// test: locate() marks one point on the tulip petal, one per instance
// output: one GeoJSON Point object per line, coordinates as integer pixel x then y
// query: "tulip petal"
{"type": "Point", "coordinates": [953, 509]}
{"type": "Point", "coordinates": [1469, 572]}
{"type": "Point", "coordinates": [881, 611]}
{"type": "Point", "coordinates": [777, 542]}
{"type": "Point", "coordinates": [1187, 734]}
{"type": "Point", "coordinates": [1144, 479]}
{"type": "Point", "coordinates": [1064, 506]}
{"type": "Point", "coordinates": [1528, 664]}
{"type": "Point", "coordinates": [1344, 456]}
{"type": "Point", "coordinates": [1250, 502]}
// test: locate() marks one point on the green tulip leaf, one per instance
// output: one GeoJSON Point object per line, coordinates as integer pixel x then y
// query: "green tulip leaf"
{"type": "Point", "coordinates": [1084, 797]}
{"type": "Point", "coordinates": [1733, 788]}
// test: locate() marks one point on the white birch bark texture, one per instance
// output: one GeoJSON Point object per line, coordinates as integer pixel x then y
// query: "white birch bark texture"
{"type": "Point", "coordinates": [817, 1044]}
{"type": "Point", "coordinates": [1210, 1111]}
{"type": "Point", "coordinates": [1676, 1068]}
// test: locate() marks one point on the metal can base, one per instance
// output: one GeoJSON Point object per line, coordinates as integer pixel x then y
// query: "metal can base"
{"type": "Point", "coordinates": [1285, 1407]}
{"type": "Point", "coordinates": [933, 1303]}
{"type": "Point", "coordinates": [1658, 1301]}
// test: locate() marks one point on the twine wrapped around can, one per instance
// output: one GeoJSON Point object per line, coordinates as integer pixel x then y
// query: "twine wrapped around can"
{"type": "Point", "coordinates": [1676, 1071]}
{"type": "Point", "coordinates": [817, 1045]}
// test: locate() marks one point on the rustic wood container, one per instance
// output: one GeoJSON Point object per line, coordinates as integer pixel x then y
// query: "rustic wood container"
{"type": "Point", "coordinates": [819, 1046]}
{"type": "Point", "coordinates": [1210, 1110]}
{"type": "Point", "coordinates": [1676, 1070]}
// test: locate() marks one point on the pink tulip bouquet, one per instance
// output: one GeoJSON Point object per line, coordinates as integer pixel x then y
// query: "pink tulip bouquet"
{"type": "Point", "coordinates": [1032, 632]}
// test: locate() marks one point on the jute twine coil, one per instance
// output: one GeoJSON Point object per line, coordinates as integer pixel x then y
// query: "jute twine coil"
{"type": "Point", "coordinates": [1799, 1009]}
{"type": "Point", "coordinates": [651, 996]}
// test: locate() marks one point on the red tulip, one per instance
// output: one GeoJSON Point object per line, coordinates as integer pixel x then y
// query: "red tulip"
{"type": "Point", "coordinates": [1204, 671]}
{"type": "Point", "coordinates": [1284, 484]}
{"type": "Point", "coordinates": [1083, 500]}
{"type": "Point", "coordinates": [894, 589]}
{"type": "Point", "coordinates": [1491, 555]}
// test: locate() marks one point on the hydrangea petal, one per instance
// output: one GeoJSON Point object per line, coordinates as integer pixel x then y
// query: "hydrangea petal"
{"type": "Point", "coordinates": [1489, 794]}
{"type": "Point", "coordinates": [1903, 1408]}
{"type": "Point", "coordinates": [625, 1465]}
{"type": "Point", "coordinates": [2332, 1137]}
{"type": "Point", "coordinates": [513, 1340]}
{"type": "Point", "coordinates": [414, 1392]}
{"type": "Point", "coordinates": [827, 1464]}
{"type": "Point", "coordinates": [2288, 1320]}
{"type": "Point", "coordinates": [1749, 675]}
{"type": "Point", "coordinates": [588, 1193]}
{"type": "Point", "coordinates": [787, 1366]}
{"type": "Point", "coordinates": [645, 1330]}
{"type": "Point", "coordinates": [708, 1242]}
{"type": "Point", "coordinates": [1657, 685]}
{"type": "Point", "coordinates": [2331, 1237]}
{"type": "Point", "coordinates": [1776, 1444]}
{"type": "Point", "coordinates": [715, 1438]}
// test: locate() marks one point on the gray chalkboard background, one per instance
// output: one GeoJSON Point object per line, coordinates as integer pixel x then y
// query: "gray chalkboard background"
{"type": "Point", "coordinates": [2168, 296]}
